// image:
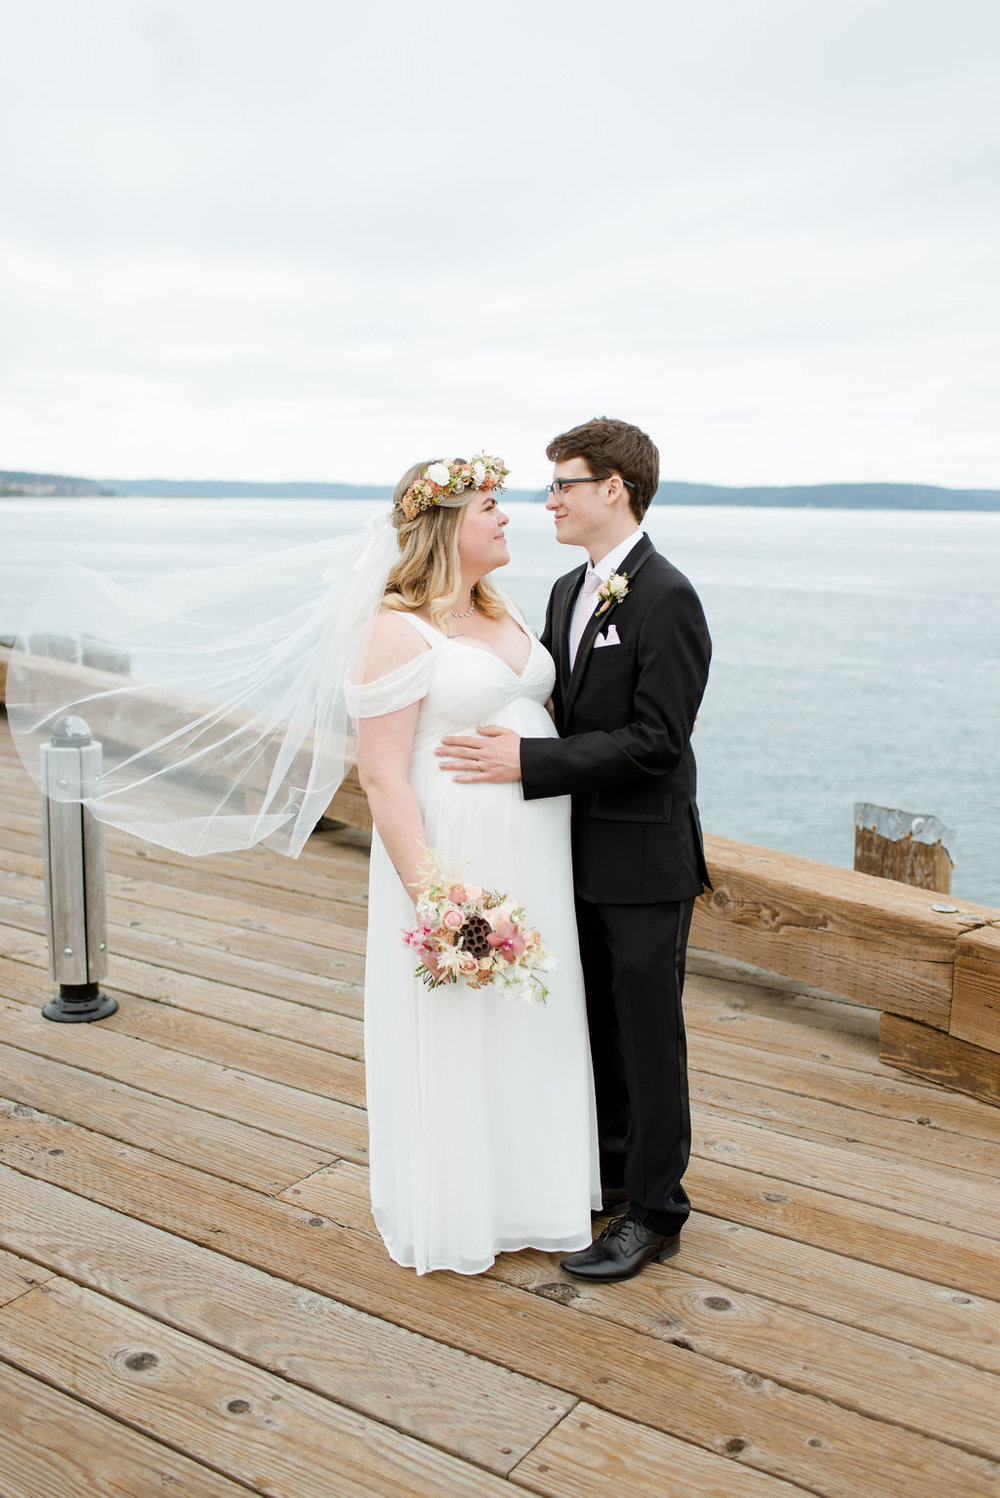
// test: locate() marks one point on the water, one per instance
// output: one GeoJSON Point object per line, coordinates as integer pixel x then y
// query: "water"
{"type": "Point", "coordinates": [856, 651]}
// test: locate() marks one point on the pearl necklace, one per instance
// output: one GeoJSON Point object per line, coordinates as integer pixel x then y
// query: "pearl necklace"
{"type": "Point", "coordinates": [470, 610]}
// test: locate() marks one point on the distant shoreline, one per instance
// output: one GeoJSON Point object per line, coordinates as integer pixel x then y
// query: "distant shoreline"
{"type": "Point", "coordinates": [22, 485]}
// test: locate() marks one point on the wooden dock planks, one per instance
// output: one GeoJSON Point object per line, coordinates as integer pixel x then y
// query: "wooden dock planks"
{"type": "Point", "coordinates": [185, 1186]}
{"type": "Point", "coordinates": [263, 1430]}
{"type": "Point", "coordinates": [373, 1366]}
{"type": "Point", "coordinates": [52, 1446]}
{"type": "Point", "coordinates": [803, 1349]}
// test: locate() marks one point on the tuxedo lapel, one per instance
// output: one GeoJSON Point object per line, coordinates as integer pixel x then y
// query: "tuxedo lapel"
{"type": "Point", "coordinates": [564, 613]}
{"type": "Point", "coordinates": [598, 621]}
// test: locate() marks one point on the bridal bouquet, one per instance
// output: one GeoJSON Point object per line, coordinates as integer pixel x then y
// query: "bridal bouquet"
{"type": "Point", "coordinates": [478, 935]}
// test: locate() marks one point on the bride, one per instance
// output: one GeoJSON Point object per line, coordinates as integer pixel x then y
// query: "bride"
{"type": "Point", "coordinates": [481, 1116]}
{"type": "Point", "coordinates": [235, 728]}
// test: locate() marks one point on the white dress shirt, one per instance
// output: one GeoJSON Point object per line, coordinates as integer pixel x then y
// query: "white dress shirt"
{"type": "Point", "coordinates": [586, 600]}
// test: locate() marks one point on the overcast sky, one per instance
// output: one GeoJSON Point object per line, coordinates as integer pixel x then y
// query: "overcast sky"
{"type": "Point", "coordinates": [302, 239]}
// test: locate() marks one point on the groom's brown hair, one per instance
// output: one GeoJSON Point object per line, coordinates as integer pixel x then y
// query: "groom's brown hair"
{"type": "Point", "coordinates": [608, 446]}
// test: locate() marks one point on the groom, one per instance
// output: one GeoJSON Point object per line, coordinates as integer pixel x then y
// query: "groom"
{"type": "Point", "coordinates": [632, 651]}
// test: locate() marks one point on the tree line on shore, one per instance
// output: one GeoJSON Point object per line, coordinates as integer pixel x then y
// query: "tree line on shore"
{"type": "Point", "coordinates": [21, 484]}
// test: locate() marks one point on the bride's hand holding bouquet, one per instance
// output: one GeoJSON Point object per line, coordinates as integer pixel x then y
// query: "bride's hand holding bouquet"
{"type": "Point", "coordinates": [479, 936]}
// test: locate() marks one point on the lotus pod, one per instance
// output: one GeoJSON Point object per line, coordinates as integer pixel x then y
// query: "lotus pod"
{"type": "Point", "coordinates": [472, 936]}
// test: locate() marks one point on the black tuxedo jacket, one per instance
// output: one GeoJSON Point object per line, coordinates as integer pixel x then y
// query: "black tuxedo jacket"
{"type": "Point", "coordinates": [625, 716]}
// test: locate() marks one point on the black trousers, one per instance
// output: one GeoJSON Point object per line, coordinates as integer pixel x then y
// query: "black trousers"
{"type": "Point", "coordinates": [633, 968]}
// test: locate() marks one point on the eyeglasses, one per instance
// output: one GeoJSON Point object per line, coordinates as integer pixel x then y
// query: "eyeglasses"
{"type": "Point", "coordinates": [559, 486]}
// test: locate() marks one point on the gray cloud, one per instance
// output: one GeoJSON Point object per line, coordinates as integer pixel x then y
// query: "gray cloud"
{"type": "Point", "coordinates": [306, 241]}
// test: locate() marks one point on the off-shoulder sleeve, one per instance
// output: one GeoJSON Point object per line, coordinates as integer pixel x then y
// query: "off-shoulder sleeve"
{"type": "Point", "coordinates": [387, 694]}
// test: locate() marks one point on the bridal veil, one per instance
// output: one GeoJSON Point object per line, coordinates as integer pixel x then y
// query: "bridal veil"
{"type": "Point", "coordinates": [233, 726]}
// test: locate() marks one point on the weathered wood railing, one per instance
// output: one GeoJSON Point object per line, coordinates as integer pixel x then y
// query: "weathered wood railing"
{"type": "Point", "coordinates": [933, 973]}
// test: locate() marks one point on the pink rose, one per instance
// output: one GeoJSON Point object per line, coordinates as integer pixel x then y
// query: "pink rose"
{"type": "Point", "coordinates": [452, 919]}
{"type": "Point", "coordinates": [473, 894]}
{"type": "Point", "coordinates": [458, 894]}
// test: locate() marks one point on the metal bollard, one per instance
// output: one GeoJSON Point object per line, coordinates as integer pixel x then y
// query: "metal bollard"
{"type": "Point", "coordinates": [75, 906]}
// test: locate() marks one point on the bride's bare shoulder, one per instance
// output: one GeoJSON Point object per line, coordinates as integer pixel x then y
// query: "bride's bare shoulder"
{"type": "Point", "coordinates": [395, 641]}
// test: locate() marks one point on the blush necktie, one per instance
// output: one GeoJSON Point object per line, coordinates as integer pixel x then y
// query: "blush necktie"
{"type": "Point", "coordinates": [583, 612]}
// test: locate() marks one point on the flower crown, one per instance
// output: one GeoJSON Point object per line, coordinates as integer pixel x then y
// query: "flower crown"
{"type": "Point", "coordinates": [440, 479]}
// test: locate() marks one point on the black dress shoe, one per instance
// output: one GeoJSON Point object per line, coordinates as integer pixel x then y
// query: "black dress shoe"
{"type": "Point", "coordinates": [625, 1247]}
{"type": "Point", "coordinates": [613, 1199]}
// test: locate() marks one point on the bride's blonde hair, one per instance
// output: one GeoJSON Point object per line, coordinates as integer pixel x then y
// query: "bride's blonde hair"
{"type": "Point", "coordinates": [428, 570]}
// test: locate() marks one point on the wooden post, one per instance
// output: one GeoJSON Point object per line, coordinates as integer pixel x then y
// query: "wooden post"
{"type": "Point", "coordinates": [903, 846]}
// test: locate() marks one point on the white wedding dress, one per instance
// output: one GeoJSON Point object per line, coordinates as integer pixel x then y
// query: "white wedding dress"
{"type": "Point", "coordinates": [481, 1109]}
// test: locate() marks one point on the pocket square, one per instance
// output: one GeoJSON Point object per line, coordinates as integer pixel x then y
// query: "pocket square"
{"type": "Point", "coordinates": [611, 638]}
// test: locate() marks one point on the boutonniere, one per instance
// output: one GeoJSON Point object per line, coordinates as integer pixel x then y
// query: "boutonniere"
{"type": "Point", "coordinates": [613, 591]}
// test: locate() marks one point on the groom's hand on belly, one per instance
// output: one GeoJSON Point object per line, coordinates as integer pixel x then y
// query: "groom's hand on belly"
{"type": "Point", "coordinates": [495, 755]}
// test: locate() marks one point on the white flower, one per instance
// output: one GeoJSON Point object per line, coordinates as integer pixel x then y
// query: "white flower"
{"type": "Point", "coordinates": [449, 960]}
{"type": "Point", "coordinates": [478, 473]}
{"type": "Point", "coordinates": [613, 591]}
{"type": "Point", "coordinates": [440, 474]}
